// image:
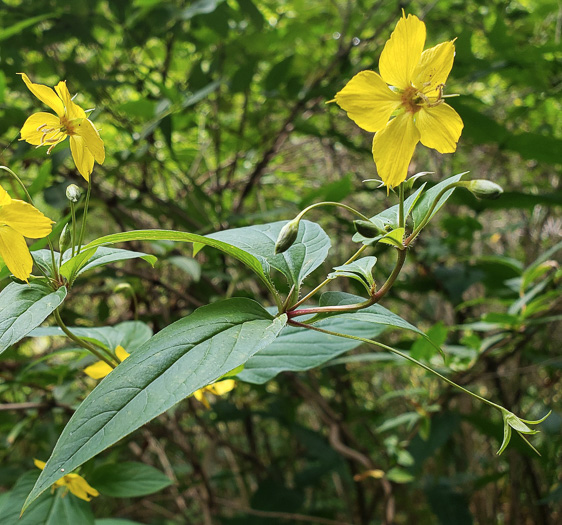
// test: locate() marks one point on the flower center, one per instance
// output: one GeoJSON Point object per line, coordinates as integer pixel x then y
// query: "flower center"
{"type": "Point", "coordinates": [413, 99]}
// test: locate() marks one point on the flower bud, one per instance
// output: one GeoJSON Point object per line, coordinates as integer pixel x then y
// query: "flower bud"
{"type": "Point", "coordinates": [369, 229]}
{"type": "Point", "coordinates": [287, 236]}
{"type": "Point", "coordinates": [73, 193]}
{"type": "Point", "coordinates": [484, 189]}
{"type": "Point", "coordinates": [65, 239]}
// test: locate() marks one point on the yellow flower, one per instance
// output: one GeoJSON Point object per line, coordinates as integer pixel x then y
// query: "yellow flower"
{"type": "Point", "coordinates": [100, 368]}
{"type": "Point", "coordinates": [410, 85]}
{"type": "Point", "coordinates": [74, 483]}
{"type": "Point", "coordinates": [19, 219]}
{"type": "Point", "coordinates": [46, 129]}
{"type": "Point", "coordinates": [217, 389]}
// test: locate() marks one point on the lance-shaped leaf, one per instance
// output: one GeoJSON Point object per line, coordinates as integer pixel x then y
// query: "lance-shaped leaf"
{"type": "Point", "coordinates": [259, 267]}
{"type": "Point", "coordinates": [303, 257]}
{"type": "Point", "coordinates": [185, 356]}
{"type": "Point", "coordinates": [24, 307]}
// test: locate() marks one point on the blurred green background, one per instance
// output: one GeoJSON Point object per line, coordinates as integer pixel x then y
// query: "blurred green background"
{"type": "Point", "coordinates": [214, 116]}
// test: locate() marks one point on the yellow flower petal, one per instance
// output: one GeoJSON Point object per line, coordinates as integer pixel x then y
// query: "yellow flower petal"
{"type": "Point", "coordinates": [98, 370]}
{"type": "Point", "coordinates": [39, 464]}
{"type": "Point", "coordinates": [222, 387]}
{"type": "Point", "coordinates": [25, 219]}
{"type": "Point", "coordinates": [393, 148]}
{"type": "Point", "coordinates": [72, 110]}
{"type": "Point", "coordinates": [4, 197]}
{"type": "Point", "coordinates": [121, 353]}
{"type": "Point", "coordinates": [35, 129]}
{"type": "Point", "coordinates": [45, 94]}
{"type": "Point", "coordinates": [368, 100]}
{"type": "Point", "coordinates": [440, 127]}
{"type": "Point", "coordinates": [80, 487]}
{"type": "Point", "coordinates": [83, 159]}
{"type": "Point", "coordinates": [434, 67]}
{"type": "Point", "coordinates": [200, 396]}
{"type": "Point", "coordinates": [92, 139]}
{"type": "Point", "coordinates": [15, 252]}
{"type": "Point", "coordinates": [402, 52]}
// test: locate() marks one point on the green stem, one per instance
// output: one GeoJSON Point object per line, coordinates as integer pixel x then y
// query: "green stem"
{"type": "Point", "coordinates": [401, 219]}
{"type": "Point", "coordinates": [401, 354]}
{"type": "Point", "coordinates": [85, 215]}
{"type": "Point", "coordinates": [73, 213]}
{"type": "Point", "coordinates": [30, 199]}
{"type": "Point", "coordinates": [329, 203]}
{"type": "Point", "coordinates": [375, 298]}
{"type": "Point", "coordinates": [324, 283]}
{"type": "Point", "coordinates": [81, 342]}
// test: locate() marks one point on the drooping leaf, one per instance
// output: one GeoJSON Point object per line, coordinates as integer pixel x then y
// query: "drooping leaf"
{"type": "Point", "coordinates": [24, 307]}
{"type": "Point", "coordinates": [90, 259]}
{"type": "Point", "coordinates": [187, 355]}
{"type": "Point", "coordinates": [259, 267]}
{"type": "Point", "coordinates": [302, 258]}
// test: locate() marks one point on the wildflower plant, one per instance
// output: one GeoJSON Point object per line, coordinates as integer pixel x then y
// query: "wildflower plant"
{"type": "Point", "coordinates": [227, 341]}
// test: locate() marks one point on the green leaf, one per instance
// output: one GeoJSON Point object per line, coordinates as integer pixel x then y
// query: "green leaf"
{"type": "Point", "coordinates": [361, 269]}
{"type": "Point", "coordinates": [128, 480]}
{"type": "Point", "coordinates": [301, 259]}
{"type": "Point", "coordinates": [297, 349]}
{"type": "Point", "coordinates": [398, 475]}
{"type": "Point", "coordinates": [93, 258]}
{"type": "Point", "coordinates": [24, 307]}
{"type": "Point", "coordinates": [185, 356]}
{"type": "Point", "coordinates": [48, 509]}
{"type": "Point", "coordinates": [129, 334]}
{"type": "Point", "coordinates": [394, 237]}
{"type": "Point", "coordinates": [427, 200]}
{"type": "Point", "coordinates": [259, 267]}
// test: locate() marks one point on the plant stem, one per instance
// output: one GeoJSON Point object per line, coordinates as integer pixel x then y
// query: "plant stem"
{"type": "Point", "coordinates": [85, 215]}
{"type": "Point", "coordinates": [329, 203]}
{"type": "Point", "coordinates": [401, 354]}
{"type": "Point", "coordinates": [73, 238]}
{"type": "Point", "coordinates": [401, 219]}
{"type": "Point", "coordinates": [375, 298]}
{"type": "Point", "coordinates": [81, 342]}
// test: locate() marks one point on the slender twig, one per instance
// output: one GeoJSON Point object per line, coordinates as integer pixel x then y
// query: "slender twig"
{"type": "Point", "coordinates": [401, 354]}
{"type": "Point", "coordinates": [85, 215]}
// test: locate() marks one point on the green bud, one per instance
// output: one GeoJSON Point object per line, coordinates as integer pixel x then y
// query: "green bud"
{"type": "Point", "coordinates": [369, 229]}
{"type": "Point", "coordinates": [483, 189]}
{"type": "Point", "coordinates": [287, 236]}
{"type": "Point", "coordinates": [65, 239]}
{"type": "Point", "coordinates": [73, 193]}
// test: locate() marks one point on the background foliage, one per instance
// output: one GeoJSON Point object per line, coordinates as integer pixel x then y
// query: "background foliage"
{"type": "Point", "coordinates": [213, 115]}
